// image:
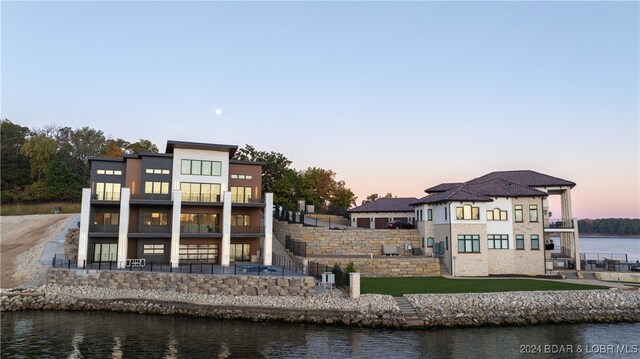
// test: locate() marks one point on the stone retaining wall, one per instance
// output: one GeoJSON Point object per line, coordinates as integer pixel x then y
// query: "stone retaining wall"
{"type": "Point", "coordinates": [328, 218]}
{"type": "Point", "coordinates": [323, 241]}
{"type": "Point", "coordinates": [526, 308]}
{"type": "Point", "coordinates": [632, 277]}
{"type": "Point", "coordinates": [388, 266]}
{"type": "Point", "coordinates": [434, 310]}
{"type": "Point", "coordinates": [179, 282]}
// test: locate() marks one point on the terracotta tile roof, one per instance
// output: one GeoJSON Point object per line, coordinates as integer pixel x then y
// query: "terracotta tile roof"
{"type": "Point", "coordinates": [527, 178]}
{"type": "Point", "coordinates": [494, 184]}
{"type": "Point", "coordinates": [387, 205]}
{"type": "Point", "coordinates": [441, 187]}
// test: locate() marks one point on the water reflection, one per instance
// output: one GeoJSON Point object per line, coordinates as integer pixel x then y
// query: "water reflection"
{"type": "Point", "coordinates": [115, 335]}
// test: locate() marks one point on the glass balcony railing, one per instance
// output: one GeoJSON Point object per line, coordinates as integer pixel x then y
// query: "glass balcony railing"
{"type": "Point", "coordinates": [199, 228]}
{"type": "Point", "coordinates": [559, 224]}
{"type": "Point", "coordinates": [200, 197]}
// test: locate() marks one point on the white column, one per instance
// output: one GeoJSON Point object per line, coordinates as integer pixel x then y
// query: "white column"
{"type": "Point", "coordinates": [175, 228]}
{"type": "Point", "coordinates": [226, 228]}
{"type": "Point", "coordinates": [123, 227]}
{"type": "Point", "coordinates": [267, 249]}
{"type": "Point", "coordinates": [576, 239]}
{"type": "Point", "coordinates": [83, 240]}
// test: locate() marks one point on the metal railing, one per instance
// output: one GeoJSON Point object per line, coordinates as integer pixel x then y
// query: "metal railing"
{"type": "Point", "coordinates": [298, 248]}
{"type": "Point", "coordinates": [282, 268]}
{"type": "Point", "coordinates": [559, 224]}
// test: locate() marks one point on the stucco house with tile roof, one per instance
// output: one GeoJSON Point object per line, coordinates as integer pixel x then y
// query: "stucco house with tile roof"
{"type": "Point", "coordinates": [376, 214]}
{"type": "Point", "coordinates": [498, 224]}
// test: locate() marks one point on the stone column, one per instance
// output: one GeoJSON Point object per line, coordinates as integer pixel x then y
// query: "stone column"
{"type": "Point", "coordinates": [123, 228]}
{"type": "Point", "coordinates": [83, 238]}
{"type": "Point", "coordinates": [354, 285]}
{"type": "Point", "coordinates": [226, 229]}
{"type": "Point", "coordinates": [576, 241]}
{"type": "Point", "coordinates": [174, 256]}
{"type": "Point", "coordinates": [267, 250]}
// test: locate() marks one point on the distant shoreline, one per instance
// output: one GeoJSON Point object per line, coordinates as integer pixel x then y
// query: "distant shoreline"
{"type": "Point", "coordinates": [590, 235]}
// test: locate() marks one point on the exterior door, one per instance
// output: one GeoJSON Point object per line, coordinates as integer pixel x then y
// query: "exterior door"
{"type": "Point", "coordinates": [240, 252]}
{"type": "Point", "coordinates": [105, 252]}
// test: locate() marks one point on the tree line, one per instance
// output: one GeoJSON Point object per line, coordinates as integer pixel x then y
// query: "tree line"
{"type": "Point", "coordinates": [52, 164]}
{"type": "Point", "coordinates": [610, 226]}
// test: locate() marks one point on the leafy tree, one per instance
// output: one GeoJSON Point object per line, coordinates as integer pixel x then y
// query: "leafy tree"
{"type": "Point", "coordinates": [39, 149]}
{"type": "Point", "coordinates": [142, 146]}
{"type": "Point", "coordinates": [374, 196]}
{"type": "Point", "coordinates": [86, 142]}
{"type": "Point", "coordinates": [277, 177]}
{"type": "Point", "coordinates": [341, 199]}
{"type": "Point", "coordinates": [14, 166]}
{"type": "Point", "coordinates": [317, 187]}
{"type": "Point", "coordinates": [112, 149]}
{"type": "Point", "coordinates": [62, 182]}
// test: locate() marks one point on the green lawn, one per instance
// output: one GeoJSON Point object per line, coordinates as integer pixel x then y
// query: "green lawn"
{"type": "Point", "coordinates": [415, 285]}
{"type": "Point", "coordinates": [42, 208]}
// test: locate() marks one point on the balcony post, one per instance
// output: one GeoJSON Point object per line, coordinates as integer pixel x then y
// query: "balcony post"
{"type": "Point", "coordinates": [226, 229]}
{"type": "Point", "coordinates": [123, 228]}
{"type": "Point", "coordinates": [268, 229]}
{"type": "Point", "coordinates": [85, 209]}
{"type": "Point", "coordinates": [175, 228]}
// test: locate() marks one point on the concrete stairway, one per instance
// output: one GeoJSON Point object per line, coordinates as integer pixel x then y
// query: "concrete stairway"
{"type": "Point", "coordinates": [408, 311]}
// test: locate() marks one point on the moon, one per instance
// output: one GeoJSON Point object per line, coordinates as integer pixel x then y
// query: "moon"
{"type": "Point", "coordinates": [218, 111]}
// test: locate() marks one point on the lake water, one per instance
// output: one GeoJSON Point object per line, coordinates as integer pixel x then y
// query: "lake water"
{"type": "Point", "coordinates": [606, 245]}
{"type": "Point", "coordinates": [36, 334]}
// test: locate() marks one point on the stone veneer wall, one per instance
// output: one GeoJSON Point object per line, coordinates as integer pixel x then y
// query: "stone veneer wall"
{"type": "Point", "coordinates": [388, 266]}
{"type": "Point", "coordinates": [327, 242]}
{"type": "Point", "coordinates": [71, 244]}
{"type": "Point", "coordinates": [191, 283]}
{"type": "Point", "coordinates": [528, 261]}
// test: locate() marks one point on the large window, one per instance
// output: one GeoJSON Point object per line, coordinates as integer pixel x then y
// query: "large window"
{"type": "Point", "coordinates": [468, 243]}
{"type": "Point", "coordinates": [498, 241]}
{"type": "Point", "coordinates": [240, 252]}
{"type": "Point", "coordinates": [200, 192]}
{"type": "Point", "coordinates": [202, 168]}
{"type": "Point", "coordinates": [156, 187]}
{"type": "Point", "coordinates": [467, 212]}
{"type": "Point", "coordinates": [155, 219]}
{"type": "Point", "coordinates": [533, 213]}
{"type": "Point", "coordinates": [109, 172]}
{"type": "Point", "coordinates": [153, 249]}
{"type": "Point", "coordinates": [519, 241]}
{"type": "Point", "coordinates": [198, 253]}
{"type": "Point", "coordinates": [242, 177]}
{"type": "Point", "coordinates": [535, 241]}
{"type": "Point", "coordinates": [240, 220]}
{"type": "Point", "coordinates": [199, 223]}
{"type": "Point", "coordinates": [517, 213]}
{"type": "Point", "coordinates": [105, 252]}
{"type": "Point", "coordinates": [108, 191]}
{"type": "Point", "coordinates": [240, 194]}
{"type": "Point", "coordinates": [157, 171]}
{"type": "Point", "coordinates": [107, 219]}
{"type": "Point", "coordinates": [497, 214]}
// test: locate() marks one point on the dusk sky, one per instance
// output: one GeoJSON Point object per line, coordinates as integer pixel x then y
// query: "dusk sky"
{"type": "Point", "coordinates": [393, 96]}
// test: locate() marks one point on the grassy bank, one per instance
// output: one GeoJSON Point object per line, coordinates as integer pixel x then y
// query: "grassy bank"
{"type": "Point", "coordinates": [416, 285]}
{"type": "Point", "coordinates": [42, 208]}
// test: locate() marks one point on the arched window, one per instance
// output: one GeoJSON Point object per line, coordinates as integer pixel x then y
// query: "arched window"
{"type": "Point", "coordinates": [430, 242]}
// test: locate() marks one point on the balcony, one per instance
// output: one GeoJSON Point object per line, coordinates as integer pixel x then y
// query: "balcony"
{"type": "Point", "coordinates": [103, 228]}
{"type": "Point", "coordinates": [190, 228]}
{"type": "Point", "coordinates": [239, 201]}
{"type": "Point", "coordinates": [558, 225]}
{"type": "Point", "coordinates": [105, 196]}
{"type": "Point", "coordinates": [197, 197]}
{"type": "Point", "coordinates": [248, 231]}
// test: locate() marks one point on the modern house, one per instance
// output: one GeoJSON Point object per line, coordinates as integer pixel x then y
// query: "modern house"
{"type": "Point", "coordinates": [193, 203]}
{"type": "Point", "coordinates": [499, 224]}
{"type": "Point", "coordinates": [377, 214]}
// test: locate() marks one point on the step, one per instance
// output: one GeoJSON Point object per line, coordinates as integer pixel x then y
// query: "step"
{"type": "Point", "coordinates": [411, 317]}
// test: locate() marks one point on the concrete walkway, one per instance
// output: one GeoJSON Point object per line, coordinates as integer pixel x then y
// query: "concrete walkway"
{"type": "Point", "coordinates": [56, 244]}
